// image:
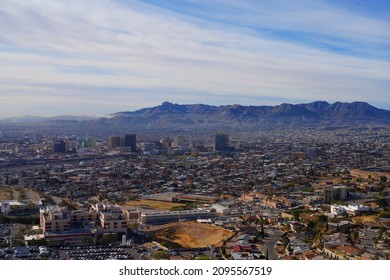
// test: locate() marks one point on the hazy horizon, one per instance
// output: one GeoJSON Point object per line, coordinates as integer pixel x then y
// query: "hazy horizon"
{"type": "Point", "coordinates": [93, 58]}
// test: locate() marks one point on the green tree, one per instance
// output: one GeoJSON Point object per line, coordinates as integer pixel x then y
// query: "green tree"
{"type": "Point", "coordinates": [384, 214]}
{"type": "Point", "coordinates": [87, 240]}
{"type": "Point", "coordinates": [38, 242]}
{"type": "Point", "coordinates": [160, 255]}
{"type": "Point", "coordinates": [107, 239]}
{"type": "Point", "coordinates": [296, 215]}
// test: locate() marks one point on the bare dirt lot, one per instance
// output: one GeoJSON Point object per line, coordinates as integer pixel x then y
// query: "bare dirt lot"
{"type": "Point", "coordinates": [365, 219]}
{"type": "Point", "coordinates": [33, 195]}
{"type": "Point", "coordinates": [152, 204]}
{"type": "Point", "coordinates": [11, 193]}
{"type": "Point", "coordinates": [5, 193]}
{"type": "Point", "coordinates": [193, 234]}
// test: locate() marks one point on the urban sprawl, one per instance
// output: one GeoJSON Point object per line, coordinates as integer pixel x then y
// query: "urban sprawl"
{"type": "Point", "coordinates": [291, 194]}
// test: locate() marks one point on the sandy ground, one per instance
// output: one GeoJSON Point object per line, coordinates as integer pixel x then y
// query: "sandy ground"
{"type": "Point", "coordinates": [193, 234]}
{"type": "Point", "coordinates": [4, 193]}
{"type": "Point", "coordinates": [365, 219]}
{"type": "Point", "coordinates": [15, 194]}
{"type": "Point", "coordinates": [30, 194]}
{"type": "Point", "coordinates": [33, 195]}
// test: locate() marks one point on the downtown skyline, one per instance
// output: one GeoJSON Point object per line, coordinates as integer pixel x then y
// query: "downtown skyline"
{"type": "Point", "coordinates": [100, 57]}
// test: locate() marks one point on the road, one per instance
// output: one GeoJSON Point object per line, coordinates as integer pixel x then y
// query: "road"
{"type": "Point", "coordinates": [270, 242]}
{"type": "Point", "coordinates": [45, 162]}
{"type": "Point", "coordinates": [367, 241]}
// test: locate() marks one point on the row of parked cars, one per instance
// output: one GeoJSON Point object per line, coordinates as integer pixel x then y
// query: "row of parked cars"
{"type": "Point", "coordinates": [95, 253]}
{"type": "Point", "coordinates": [24, 252]}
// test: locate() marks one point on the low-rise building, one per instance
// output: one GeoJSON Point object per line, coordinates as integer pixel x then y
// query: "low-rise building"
{"type": "Point", "coordinates": [54, 219]}
{"type": "Point", "coordinates": [71, 237]}
{"type": "Point", "coordinates": [111, 218]}
{"type": "Point", "coordinates": [163, 217]}
{"type": "Point", "coordinates": [14, 207]}
{"type": "Point", "coordinates": [195, 198]}
{"type": "Point", "coordinates": [352, 209]}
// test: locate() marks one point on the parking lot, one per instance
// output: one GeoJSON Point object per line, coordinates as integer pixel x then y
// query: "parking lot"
{"type": "Point", "coordinates": [94, 253]}
{"type": "Point", "coordinates": [27, 253]}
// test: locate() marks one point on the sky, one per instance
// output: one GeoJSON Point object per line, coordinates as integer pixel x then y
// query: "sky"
{"type": "Point", "coordinates": [96, 57]}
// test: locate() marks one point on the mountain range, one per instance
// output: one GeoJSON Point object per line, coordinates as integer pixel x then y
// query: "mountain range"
{"type": "Point", "coordinates": [168, 114]}
{"type": "Point", "coordinates": [318, 112]}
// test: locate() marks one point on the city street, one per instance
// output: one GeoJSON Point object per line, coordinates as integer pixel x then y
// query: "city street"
{"type": "Point", "coordinates": [270, 242]}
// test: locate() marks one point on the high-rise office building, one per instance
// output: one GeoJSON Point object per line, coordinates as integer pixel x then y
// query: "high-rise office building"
{"type": "Point", "coordinates": [88, 143]}
{"type": "Point", "coordinates": [179, 141]}
{"type": "Point", "coordinates": [71, 146]}
{"type": "Point", "coordinates": [221, 141]}
{"type": "Point", "coordinates": [59, 146]}
{"type": "Point", "coordinates": [114, 141]}
{"type": "Point", "coordinates": [130, 141]}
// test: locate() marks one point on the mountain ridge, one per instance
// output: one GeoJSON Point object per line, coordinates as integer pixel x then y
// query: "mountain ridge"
{"type": "Point", "coordinates": [285, 114]}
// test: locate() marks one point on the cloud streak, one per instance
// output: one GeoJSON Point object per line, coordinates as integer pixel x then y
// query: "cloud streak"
{"type": "Point", "coordinates": [115, 55]}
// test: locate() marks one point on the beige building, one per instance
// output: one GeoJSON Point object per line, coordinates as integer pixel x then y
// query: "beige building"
{"type": "Point", "coordinates": [111, 218]}
{"type": "Point", "coordinates": [253, 197]}
{"type": "Point", "coordinates": [131, 214]}
{"type": "Point", "coordinates": [54, 219]}
{"type": "Point", "coordinates": [370, 173]}
{"type": "Point", "coordinates": [81, 216]}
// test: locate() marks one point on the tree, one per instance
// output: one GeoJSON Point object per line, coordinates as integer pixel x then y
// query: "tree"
{"type": "Point", "coordinates": [107, 239]}
{"type": "Point", "coordinates": [160, 255]}
{"type": "Point", "coordinates": [384, 214]}
{"type": "Point", "coordinates": [296, 215]}
{"type": "Point", "coordinates": [87, 240]}
{"type": "Point", "coordinates": [310, 225]}
{"type": "Point", "coordinates": [38, 242]}
{"type": "Point", "coordinates": [323, 219]}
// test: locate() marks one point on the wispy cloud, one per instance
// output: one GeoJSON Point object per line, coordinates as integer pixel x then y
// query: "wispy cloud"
{"type": "Point", "coordinates": [121, 55]}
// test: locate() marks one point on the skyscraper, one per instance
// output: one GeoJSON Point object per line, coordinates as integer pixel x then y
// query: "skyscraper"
{"type": "Point", "coordinates": [59, 146]}
{"type": "Point", "coordinates": [179, 141]}
{"type": "Point", "coordinates": [114, 141]}
{"type": "Point", "coordinates": [130, 141]}
{"type": "Point", "coordinates": [221, 141]}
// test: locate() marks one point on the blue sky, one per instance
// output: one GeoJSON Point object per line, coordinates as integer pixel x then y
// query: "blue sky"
{"type": "Point", "coordinates": [96, 57]}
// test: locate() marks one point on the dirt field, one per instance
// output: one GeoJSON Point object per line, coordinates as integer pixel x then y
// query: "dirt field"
{"type": "Point", "coordinates": [5, 193]}
{"type": "Point", "coordinates": [193, 235]}
{"type": "Point", "coordinates": [33, 195]}
{"type": "Point", "coordinates": [151, 204]}
{"type": "Point", "coordinates": [365, 219]}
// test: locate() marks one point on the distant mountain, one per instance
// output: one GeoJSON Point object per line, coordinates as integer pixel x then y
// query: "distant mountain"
{"type": "Point", "coordinates": [315, 113]}
{"type": "Point", "coordinates": [38, 119]}
{"type": "Point", "coordinates": [25, 119]}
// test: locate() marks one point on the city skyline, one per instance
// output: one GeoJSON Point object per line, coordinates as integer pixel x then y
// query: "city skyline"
{"type": "Point", "coordinates": [101, 57]}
